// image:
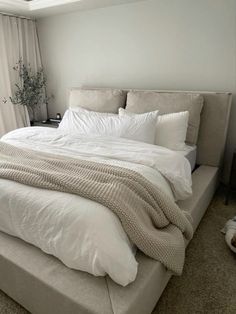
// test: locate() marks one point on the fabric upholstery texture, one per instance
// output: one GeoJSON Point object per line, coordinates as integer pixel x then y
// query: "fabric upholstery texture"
{"type": "Point", "coordinates": [101, 100]}
{"type": "Point", "coordinates": [25, 270]}
{"type": "Point", "coordinates": [214, 117]}
{"type": "Point", "coordinates": [208, 121]}
{"type": "Point", "coordinates": [213, 129]}
{"type": "Point", "coordinates": [140, 297]}
{"type": "Point", "coordinates": [53, 288]}
{"type": "Point", "coordinates": [200, 270]}
{"type": "Point", "coordinates": [144, 101]}
{"type": "Point", "coordinates": [153, 221]}
{"type": "Point", "coordinates": [205, 182]}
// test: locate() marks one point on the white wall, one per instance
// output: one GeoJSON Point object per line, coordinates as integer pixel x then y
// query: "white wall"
{"type": "Point", "coordinates": [154, 44]}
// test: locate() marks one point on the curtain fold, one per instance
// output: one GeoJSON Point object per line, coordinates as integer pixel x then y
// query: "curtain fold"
{"type": "Point", "coordinates": [18, 40]}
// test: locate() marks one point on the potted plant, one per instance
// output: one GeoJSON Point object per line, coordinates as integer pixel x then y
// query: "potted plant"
{"type": "Point", "coordinates": [30, 91]}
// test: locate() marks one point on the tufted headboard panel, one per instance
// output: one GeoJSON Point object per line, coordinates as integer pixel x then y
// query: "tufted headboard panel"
{"type": "Point", "coordinates": [213, 128]}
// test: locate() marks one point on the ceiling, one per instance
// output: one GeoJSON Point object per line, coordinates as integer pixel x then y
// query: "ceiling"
{"type": "Point", "coordinates": [41, 8]}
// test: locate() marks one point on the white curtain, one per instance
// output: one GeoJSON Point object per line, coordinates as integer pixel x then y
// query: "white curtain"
{"type": "Point", "coordinates": [18, 40]}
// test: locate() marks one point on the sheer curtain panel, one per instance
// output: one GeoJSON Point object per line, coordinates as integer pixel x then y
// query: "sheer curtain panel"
{"type": "Point", "coordinates": [18, 40]}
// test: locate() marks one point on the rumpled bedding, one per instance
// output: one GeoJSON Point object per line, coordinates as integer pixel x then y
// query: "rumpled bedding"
{"type": "Point", "coordinates": [77, 230]}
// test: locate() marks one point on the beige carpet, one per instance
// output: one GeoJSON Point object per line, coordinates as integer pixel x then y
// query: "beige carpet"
{"type": "Point", "coordinates": [208, 284]}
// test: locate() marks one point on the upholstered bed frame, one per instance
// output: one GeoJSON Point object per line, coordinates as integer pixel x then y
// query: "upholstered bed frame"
{"type": "Point", "coordinates": [42, 284]}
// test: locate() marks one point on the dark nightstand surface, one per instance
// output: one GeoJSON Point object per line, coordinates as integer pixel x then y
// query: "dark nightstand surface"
{"type": "Point", "coordinates": [48, 124]}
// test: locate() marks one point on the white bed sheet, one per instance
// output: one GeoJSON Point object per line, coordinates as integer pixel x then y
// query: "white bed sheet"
{"type": "Point", "coordinates": [76, 230]}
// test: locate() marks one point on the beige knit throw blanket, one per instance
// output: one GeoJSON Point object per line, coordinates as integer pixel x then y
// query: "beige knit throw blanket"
{"type": "Point", "coordinates": [151, 219]}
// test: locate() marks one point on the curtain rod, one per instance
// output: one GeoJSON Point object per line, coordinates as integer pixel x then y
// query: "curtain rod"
{"type": "Point", "coordinates": [14, 15]}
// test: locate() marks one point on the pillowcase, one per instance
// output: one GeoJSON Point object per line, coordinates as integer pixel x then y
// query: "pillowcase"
{"type": "Point", "coordinates": [171, 129]}
{"type": "Point", "coordinates": [138, 128]}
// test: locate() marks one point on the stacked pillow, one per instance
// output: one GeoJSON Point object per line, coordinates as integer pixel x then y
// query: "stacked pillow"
{"type": "Point", "coordinates": [139, 121]}
{"type": "Point", "coordinates": [171, 129]}
{"type": "Point", "coordinates": [168, 130]}
{"type": "Point", "coordinates": [136, 127]}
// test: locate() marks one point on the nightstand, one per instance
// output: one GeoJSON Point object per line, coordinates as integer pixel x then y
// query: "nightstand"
{"type": "Point", "coordinates": [47, 124]}
{"type": "Point", "coordinates": [232, 179]}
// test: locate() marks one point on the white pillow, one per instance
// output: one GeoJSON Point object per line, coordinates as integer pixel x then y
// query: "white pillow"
{"type": "Point", "coordinates": [86, 122]}
{"type": "Point", "coordinates": [171, 129]}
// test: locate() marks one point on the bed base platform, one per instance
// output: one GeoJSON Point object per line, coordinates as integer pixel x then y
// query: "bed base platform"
{"type": "Point", "coordinates": [43, 285]}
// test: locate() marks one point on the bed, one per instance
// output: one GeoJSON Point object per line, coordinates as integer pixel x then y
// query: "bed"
{"type": "Point", "coordinates": [42, 284]}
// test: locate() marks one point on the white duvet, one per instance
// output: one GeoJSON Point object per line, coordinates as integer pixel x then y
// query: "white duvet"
{"type": "Point", "coordinates": [83, 234]}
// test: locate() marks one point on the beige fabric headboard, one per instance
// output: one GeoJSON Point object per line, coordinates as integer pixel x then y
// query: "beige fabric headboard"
{"type": "Point", "coordinates": [213, 128]}
{"type": "Point", "coordinates": [213, 124]}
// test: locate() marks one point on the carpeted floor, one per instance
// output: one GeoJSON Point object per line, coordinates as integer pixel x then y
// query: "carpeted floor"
{"type": "Point", "coordinates": [208, 283]}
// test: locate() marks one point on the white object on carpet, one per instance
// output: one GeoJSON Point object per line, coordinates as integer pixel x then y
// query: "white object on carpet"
{"type": "Point", "coordinates": [230, 230]}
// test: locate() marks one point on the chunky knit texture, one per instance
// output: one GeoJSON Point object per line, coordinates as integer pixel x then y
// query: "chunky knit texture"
{"type": "Point", "coordinates": [151, 219]}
